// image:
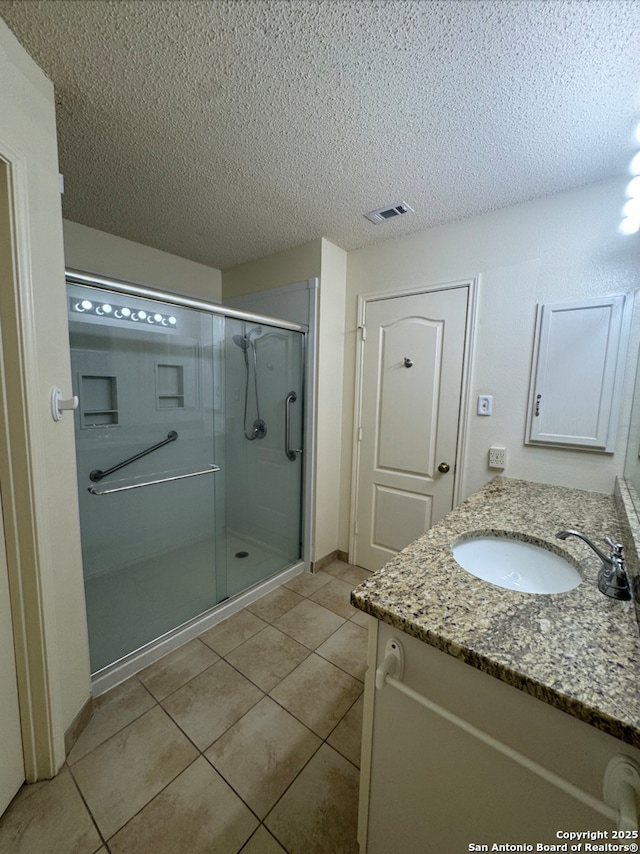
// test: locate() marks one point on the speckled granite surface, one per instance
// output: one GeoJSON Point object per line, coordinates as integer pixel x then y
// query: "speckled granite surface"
{"type": "Point", "coordinates": [578, 651]}
{"type": "Point", "coordinates": [627, 504]}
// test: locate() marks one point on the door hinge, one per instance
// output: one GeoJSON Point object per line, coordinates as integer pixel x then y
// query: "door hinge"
{"type": "Point", "coordinates": [355, 528]}
{"type": "Point", "coordinates": [359, 434]}
{"type": "Point", "coordinates": [363, 330]}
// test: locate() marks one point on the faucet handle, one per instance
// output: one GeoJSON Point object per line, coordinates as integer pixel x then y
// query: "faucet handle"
{"type": "Point", "coordinates": [617, 549]}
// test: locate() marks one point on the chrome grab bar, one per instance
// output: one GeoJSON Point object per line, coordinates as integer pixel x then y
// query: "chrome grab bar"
{"type": "Point", "coordinates": [94, 490]}
{"type": "Point", "coordinates": [97, 474]}
{"type": "Point", "coordinates": [289, 451]}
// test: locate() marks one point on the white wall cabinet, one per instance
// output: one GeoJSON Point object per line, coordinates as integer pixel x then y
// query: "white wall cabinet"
{"type": "Point", "coordinates": [577, 372]}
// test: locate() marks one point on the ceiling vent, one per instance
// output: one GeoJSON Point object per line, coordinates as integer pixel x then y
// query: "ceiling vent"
{"type": "Point", "coordinates": [390, 212]}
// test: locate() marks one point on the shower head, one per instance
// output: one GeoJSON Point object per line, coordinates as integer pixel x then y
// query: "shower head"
{"type": "Point", "coordinates": [244, 341]}
{"type": "Point", "coordinates": [241, 341]}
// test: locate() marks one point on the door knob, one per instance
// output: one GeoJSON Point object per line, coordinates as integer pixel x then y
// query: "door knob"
{"type": "Point", "coordinates": [443, 467]}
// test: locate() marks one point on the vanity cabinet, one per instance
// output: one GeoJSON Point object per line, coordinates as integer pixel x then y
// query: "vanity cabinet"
{"type": "Point", "coordinates": [429, 786]}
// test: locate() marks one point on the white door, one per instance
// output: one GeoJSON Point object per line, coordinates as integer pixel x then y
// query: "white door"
{"type": "Point", "coordinates": [411, 386]}
{"type": "Point", "coordinates": [11, 764]}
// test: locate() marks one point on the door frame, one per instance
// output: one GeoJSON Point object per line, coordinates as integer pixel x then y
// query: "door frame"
{"type": "Point", "coordinates": [31, 591]}
{"type": "Point", "coordinates": [472, 286]}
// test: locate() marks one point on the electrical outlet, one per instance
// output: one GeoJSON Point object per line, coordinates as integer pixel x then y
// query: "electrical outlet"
{"type": "Point", "coordinates": [497, 457]}
{"type": "Point", "coordinates": [485, 404]}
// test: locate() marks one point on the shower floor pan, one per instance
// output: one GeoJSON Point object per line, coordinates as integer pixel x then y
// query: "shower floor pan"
{"type": "Point", "coordinates": [133, 605]}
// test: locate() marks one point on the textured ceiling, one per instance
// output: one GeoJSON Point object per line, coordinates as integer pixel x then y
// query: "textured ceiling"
{"type": "Point", "coordinates": [224, 130]}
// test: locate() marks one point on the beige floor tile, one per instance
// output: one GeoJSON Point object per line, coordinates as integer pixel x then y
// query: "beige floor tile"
{"type": "Point", "coordinates": [112, 712]}
{"type": "Point", "coordinates": [318, 693]}
{"type": "Point", "coordinates": [261, 754]}
{"type": "Point", "coordinates": [232, 632]}
{"type": "Point", "coordinates": [214, 700]}
{"type": "Point", "coordinates": [274, 604]}
{"type": "Point", "coordinates": [262, 842]}
{"type": "Point", "coordinates": [353, 574]}
{"type": "Point", "coordinates": [347, 736]}
{"type": "Point", "coordinates": [177, 668]}
{"type": "Point", "coordinates": [347, 649]}
{"type": "Point", "coordinates": [334, 568]}
{"type": "Point", "coordinates": [197, 813]}
{"type": "Point", "coordinates": [335, 596]}
{"type": "Point", "coordinates": [318, 813]}
{"type": "Point", "coordinates": [48, 817]}
{"type": "Point", "coordinates": [307, 582]}
{"type": "Point", "coordinates": [123, 774]}
{"type": "Point", "coordinates": [268, 657]}
{"type": "Point", "coordinates": [362, 619]}
{"type": "Point", "coordinates": [309, 623]}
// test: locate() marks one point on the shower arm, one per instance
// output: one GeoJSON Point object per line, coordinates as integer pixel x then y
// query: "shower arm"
{"type": "Point", "coordinates": [97, 475]}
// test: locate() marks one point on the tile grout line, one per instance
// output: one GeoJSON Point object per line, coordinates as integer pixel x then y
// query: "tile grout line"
{"type": "Point", "coordinates": [201, 753]}
{"type": "Point", "coordinates": [103, 841]}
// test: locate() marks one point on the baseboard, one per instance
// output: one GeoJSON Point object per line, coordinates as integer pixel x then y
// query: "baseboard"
{"type": "Point", "coordinates": [77, 726]}
{"type": "Point", "coordinates": [317, 565]}
{"type": "Point", "coordinates": [336, 554]}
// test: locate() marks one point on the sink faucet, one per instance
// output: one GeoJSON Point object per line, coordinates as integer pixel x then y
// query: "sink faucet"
{"type": "Point", "coordinates": [612, 579]}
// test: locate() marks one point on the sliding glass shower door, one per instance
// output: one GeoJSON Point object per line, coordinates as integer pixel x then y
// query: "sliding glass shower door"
{"type": "Point", "coordinates": [263, 463]}
{"type": "Point", "coordinates": [183, 502]}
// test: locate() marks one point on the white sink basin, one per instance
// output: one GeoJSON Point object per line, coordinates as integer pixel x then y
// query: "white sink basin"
{"type": "Point", "coordinates": [516, 565]}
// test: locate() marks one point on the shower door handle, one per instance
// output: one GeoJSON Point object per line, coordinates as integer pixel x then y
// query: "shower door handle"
{"type": "Point", "coordinates": [289, 451]}
{"type": "Point", "coordinates": [96, 490]}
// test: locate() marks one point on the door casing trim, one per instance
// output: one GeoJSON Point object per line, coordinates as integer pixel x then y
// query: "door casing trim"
{"type": "Point", "coordinates": [30, 582]}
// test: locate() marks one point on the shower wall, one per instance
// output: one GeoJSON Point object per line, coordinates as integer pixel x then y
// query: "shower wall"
{"type": "Point", "coordinates": [259, 494]}
{"type": "Point", "coordinates": [134, 387]}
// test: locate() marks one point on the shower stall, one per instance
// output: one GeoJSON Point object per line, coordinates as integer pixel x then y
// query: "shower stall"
{"type": "Point", "coordinates": [189, 435]}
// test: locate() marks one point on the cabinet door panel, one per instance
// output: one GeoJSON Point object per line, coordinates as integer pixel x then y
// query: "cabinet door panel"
{"type": "Point", "coordinates": [430, 785]}
{"type": "Point", "coordinates": [577, 373]}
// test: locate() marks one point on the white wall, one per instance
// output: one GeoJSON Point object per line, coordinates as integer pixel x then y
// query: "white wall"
{"type": "Point", "coordinates": [274, 271]}
{"type": "Point", "coordinates": [94, 251]}
{"type": "Point", "coordinates": [329, 398]}
{"type": "Point", "coordinates": [559, 247]}
{"type": "Point", "coordinates": [28, 141]}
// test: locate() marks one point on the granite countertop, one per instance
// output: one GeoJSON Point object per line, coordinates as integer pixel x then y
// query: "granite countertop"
{"type": "Point", "coordinates": [578, 651]}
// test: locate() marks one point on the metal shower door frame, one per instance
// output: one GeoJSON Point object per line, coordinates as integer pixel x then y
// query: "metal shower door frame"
{"type": "Point", "coordinates": [172, 640]}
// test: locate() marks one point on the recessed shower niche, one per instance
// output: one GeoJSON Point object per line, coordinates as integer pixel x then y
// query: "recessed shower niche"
{"type": "Point", "coordinates": [169, 386]}
{"type": "Point", "coordinates": [99, 396]}
{"type": "Point", "coordinates": [172, 486]}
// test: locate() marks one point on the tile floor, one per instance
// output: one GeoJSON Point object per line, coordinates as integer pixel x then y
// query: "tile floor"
{"type": "Point", "coordinates": [245, 739]}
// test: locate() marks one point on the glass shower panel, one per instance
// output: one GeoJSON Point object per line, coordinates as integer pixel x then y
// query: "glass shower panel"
{"type": "Point", "coordinates": [264, 407]}
{"type": "Point", "coordinates": [151, 508]}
